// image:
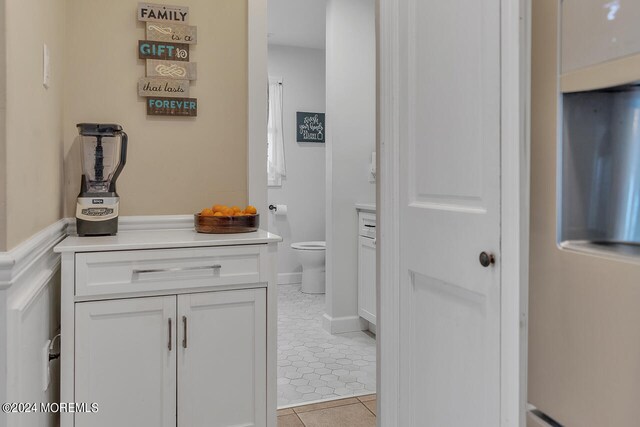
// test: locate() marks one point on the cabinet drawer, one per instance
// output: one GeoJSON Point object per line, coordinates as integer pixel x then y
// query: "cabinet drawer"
{"type": "Point", "coordinates": [367, 224]}
{"type": "Point", "coordinates": [123, 272]}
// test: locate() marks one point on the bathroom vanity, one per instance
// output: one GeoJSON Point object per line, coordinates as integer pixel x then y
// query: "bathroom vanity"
{"type": "Point", "coordinates": [367, 262]}
{"type": "Point", "coordinates": [171, 327]}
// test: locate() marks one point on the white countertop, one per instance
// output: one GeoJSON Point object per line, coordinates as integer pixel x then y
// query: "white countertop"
{"type": "Point", "coordinates": [366, 207]}
{"type": "Point", "coordinates": [162, 239]}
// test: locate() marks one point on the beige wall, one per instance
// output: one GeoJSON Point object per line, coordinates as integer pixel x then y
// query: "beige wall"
{"type": "Point", "coordinates": [33, 132]}
{"type": "Point", "coordinates": [175, 165]}
{"type": "Point", "coordinates": [584, 320]}
{"type": "Point", "coordinates": [3, 111]}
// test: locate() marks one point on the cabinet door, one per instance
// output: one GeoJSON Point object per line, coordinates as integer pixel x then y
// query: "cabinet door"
{"type": "Point", "coordinates": [222, 359]}
{"type": "Point", "coordinates": [126, 362]}
{"type": "Point", "coordinates": [367, 279]}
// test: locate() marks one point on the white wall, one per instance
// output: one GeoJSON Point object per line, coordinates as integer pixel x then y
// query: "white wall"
{"type": "Point", "coordinates": [303, 189]}
{"type": "Point", "coordinates": [29, 316]}
{"type": "Point", "coordinates": [351, 125]}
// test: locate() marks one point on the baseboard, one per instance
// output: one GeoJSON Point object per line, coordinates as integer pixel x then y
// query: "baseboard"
{"type": "Point", "coordinates": [289, 278]}
{"type": "Point", "coordinates": [340, 325]}
{"type": "Point", "coordinates": [373, 329]}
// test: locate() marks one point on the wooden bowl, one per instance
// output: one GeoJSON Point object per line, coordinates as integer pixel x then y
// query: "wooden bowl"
{"type": "Point", "coordinates": [226, 224]}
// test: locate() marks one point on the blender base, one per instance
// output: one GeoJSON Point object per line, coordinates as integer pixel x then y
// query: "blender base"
{"type": "Point", "coordinates": [107, 227]}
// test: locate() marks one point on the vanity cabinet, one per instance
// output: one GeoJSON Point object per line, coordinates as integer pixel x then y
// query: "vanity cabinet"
{"type": "Point", "coordinates": [367, 264]}
{"type": "Point", "coordinates": [169, 336]}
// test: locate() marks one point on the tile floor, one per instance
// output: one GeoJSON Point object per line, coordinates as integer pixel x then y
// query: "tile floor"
{"type": "Point", "coordinates": [349, 412]}
{"type": "Point", "coordinates": [314, 365]}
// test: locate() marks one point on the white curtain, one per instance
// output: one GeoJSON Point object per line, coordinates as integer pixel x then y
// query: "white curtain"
{"type": "Point", "coordinates": [275, 158]}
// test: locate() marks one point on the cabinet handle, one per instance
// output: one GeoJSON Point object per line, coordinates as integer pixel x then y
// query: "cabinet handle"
{"type": "Point", "coordinates": [184, 331]}
{"type": "Point", "coordinates": [170, 346]}
{"type": "Point", "coordinates": [177, 269]}
{"type": "Point", "coordinates": [370, 226]}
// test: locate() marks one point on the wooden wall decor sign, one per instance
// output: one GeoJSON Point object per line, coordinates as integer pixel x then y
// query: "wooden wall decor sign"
{"type": "Point", "coordinates": [187, 107]}
{"type": "Point", "coordinates": [162, 50]}
{"type": "Point", "coordinates": [171, 69]}
{"type": "Point", "coordinates": [177, 33]}
{"type": "Point", "coordinates": [162, 88]}
{"type": "Point", "coordinates": [310, 127]}
{"type": "Point", "coordinates": [163, 12]}
{"type": "Point", "coordinates": [166, 51]}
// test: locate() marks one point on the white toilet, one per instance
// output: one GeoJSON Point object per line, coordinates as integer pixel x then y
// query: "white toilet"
{"type": "Point", "coordinates": [311, 256]}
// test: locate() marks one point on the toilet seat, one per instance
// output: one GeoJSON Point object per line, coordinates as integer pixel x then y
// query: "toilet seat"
{"type": "Point", "coordinates": [309, 246]}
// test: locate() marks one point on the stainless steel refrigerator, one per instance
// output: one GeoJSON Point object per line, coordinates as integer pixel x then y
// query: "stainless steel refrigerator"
{"type": "Point", "coordinates": [584, 290]}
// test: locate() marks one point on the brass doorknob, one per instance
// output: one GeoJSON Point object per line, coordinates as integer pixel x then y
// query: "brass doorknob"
{"type": "Point", "coordinates": [487, 259]}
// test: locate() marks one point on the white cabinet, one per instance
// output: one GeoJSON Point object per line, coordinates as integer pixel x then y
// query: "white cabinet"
{"type": "Point", "coordinates": [367, 279]}
{"type": "Point", "coordinates": [162, 336]}
{"type": "Point", "coordinates": [367, 266]}
{"type": "Point", "coordinates": [118, 344]}
{"type": "Point", "coordinates": [221, 359]}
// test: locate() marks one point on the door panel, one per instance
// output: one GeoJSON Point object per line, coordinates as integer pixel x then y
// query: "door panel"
{"type": "Point", "coordinates": [367, 278]}
{"type": "Point", "coordinates": [123, 362]}
{"type": "Point", "coordinates": [453, 79]}
{"type": "Point", "coordinates": [447, 338]}
{"type": "Point", "coordinates": [449, 212]}
{"type": "Point", "coordinates": [221, 366]}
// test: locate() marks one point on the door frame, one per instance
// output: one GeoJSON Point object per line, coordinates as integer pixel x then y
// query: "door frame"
{"type": "Point", "coordinates": [513, 261]}
{"type": "Point", "coordinates": [257, 84]}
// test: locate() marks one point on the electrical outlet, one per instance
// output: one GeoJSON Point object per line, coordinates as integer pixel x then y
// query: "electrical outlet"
{"type": "Point", "coordinates": [46, 374]}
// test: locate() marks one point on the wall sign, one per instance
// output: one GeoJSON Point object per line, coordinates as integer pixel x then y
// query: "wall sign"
{"type": "Point", "coordinates": [178, 33]}
{"type": "Point", "coordinates": [310, 127]}
{"type": "Point", "coordinates": [171, 69]}
{"type": "Point", "coordinates": [162, 88]}
{"type": "Point", "coordinates": [162, 12]}
{"type": "Point", "coordinates": [162, 50]}
{"type": "Point", "coordinates": [166, 51]}
{"type": "Point", "coordinates": [172, 107]}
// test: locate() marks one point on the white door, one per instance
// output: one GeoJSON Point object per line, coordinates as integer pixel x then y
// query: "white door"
{"type": "Point", "coordinates": [449, 213]}
{"type": "Point", "coordinates": [222, 359]}
{"type": "Point", "coordinates": [126, 362]}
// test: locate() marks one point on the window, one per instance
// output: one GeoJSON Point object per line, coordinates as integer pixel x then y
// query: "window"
{"type": "Point", "coordinates": [275, 138]}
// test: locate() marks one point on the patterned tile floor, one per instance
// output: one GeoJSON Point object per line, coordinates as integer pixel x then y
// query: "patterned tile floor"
{"type": "Point", "coordinates": [313, 364]}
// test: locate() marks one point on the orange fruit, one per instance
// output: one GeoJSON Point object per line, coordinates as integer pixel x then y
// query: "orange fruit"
{"type": "Point", "coordinates": [206, 212]}
{"type": "Point", "coordinates": [236, 208]}
{"type": "Point", "coordinates": [217, 208]}
{"type": "Point", "coordinates": [251, 210]}
{"type": "Point", "coordinates": [218, 214]}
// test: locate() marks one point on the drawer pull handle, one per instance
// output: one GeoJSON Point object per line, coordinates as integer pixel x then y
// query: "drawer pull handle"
{"type": "Point", "coordinates": [178, 269]}
{"type": "Point", "coordinates": [370, 226]}
{"type": "Point", "coordinates": [170, 335]}
{"type": "Point", "coordinates": [184, 331]}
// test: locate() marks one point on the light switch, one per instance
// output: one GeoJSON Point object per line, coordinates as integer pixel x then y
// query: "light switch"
{"type": "Point", "coordinates": [46, 66]}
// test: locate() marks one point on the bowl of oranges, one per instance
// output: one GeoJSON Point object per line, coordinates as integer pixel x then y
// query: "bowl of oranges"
{"type": "Point", "coordinates": [221, 219]}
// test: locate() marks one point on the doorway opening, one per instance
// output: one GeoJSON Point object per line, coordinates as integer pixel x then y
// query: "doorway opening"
{"type": "Point", "coordinates": [322, 196]}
